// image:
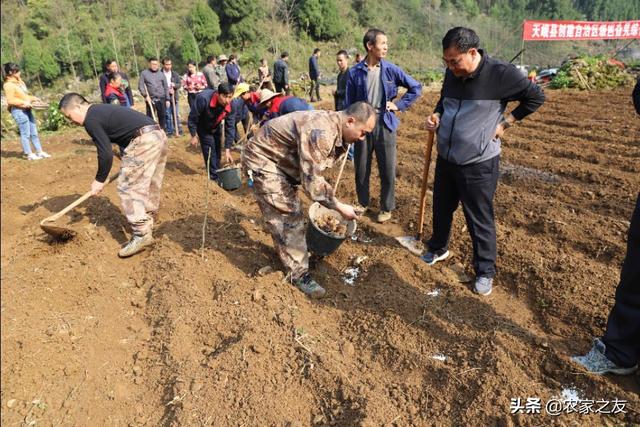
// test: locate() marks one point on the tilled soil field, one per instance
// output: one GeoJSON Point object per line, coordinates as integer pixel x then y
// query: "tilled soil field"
{"type": "Point", "coordinates": [191, 333]}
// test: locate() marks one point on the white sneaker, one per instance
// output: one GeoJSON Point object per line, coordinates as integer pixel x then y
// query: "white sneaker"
{"type": "Point", "coordinates": [43, 155]}
{"type": "Point", "coordinates": [32, 156]}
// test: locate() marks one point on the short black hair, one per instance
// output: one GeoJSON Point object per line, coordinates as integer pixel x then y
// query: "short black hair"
{"type": "Point", "coordinates": [316, 50]}
{"type": "Point", "coordinates": [225, 89]}
{"type": "Point", "coordinates": [342, 52]}
{"type": "Point", "coordinates": [165, 60]}
{"type": "Point", "coordinates": [284, 54]}
{"type": "Point", "coordinates": [361, 111]}
{"type": "Point", "coordinates": [9, 69]}
{"type": "Point", "coordinates": [153, 58]}
{"type": "Point", "coordinates": [191, 62]}
{"type": "Point", "coordinates": [112, 76]}
{"type": "Point", "coordinates": [370, 37]}
{"type": "Point", "coordinates": [232, 57]}
{"type": "Point", "coordinates": [210, 58]}
{"type": "Point", "coordinates": [461, 38]}
{"type": "Point", "coordinates": [71, 100]}
{"type": "Point", "coordinates": [108, 62]}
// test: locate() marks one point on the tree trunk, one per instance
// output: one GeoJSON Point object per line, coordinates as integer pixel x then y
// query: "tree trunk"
{"type": "Point", "coordinates": [133, 51]}
{"type": "Point", "coordinates": [69, 57]}
{"type": "Point", "coordinates": [195, 43]}
{"type": "Point", "coordinates": [93, 59]}
{"type": "Point", "coordinates": [113, 42]}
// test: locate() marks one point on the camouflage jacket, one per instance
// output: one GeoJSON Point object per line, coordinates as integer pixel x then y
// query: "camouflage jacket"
{"type": "Point", "coordinates": [299, 146]}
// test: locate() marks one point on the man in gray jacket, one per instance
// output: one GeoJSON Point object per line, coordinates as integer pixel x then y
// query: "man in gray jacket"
{"type": "Point", "coordinates": [209, 72]}
{"type": "Point", "coordinates": [470, 120]}
{"type": "Point", "coordinates": [153, 86]}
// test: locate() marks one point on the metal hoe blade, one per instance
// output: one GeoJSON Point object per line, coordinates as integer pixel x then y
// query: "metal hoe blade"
{"type": "Point", "coordinates": [411, 243]}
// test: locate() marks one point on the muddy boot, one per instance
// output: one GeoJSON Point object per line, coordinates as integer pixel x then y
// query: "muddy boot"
{"type": "Point", "coordinates": [135, 245]}
{"type": "Point", "coordinates": [310, 287]}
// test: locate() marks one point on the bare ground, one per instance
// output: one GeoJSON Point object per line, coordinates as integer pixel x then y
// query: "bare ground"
{"type": "Point", "coordinates": [180, 336]}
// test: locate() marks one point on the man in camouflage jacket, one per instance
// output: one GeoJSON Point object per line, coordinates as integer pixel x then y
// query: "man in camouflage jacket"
{"type": "Point", "coordinates": [294, 150]}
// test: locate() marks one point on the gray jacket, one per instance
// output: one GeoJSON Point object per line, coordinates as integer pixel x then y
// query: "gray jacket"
{"type": "Point", "coordinates": [155, 82]}
{"type": "Point", "coordinates": [471, 109]}
{"type": "Point", "coordinates": [212, 78]}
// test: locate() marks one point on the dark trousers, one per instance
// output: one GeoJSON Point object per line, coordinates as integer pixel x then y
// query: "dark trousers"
{"type": "Point", "coordinates": [280, 88]}
{"type": "Point", "coordinates": [474, 185]}
{"type": "Point", "coordinates": [211, 145]}
{"type": "Point", "coordinates": [383, 142]}
{"type": "Point", "coordinates": [315, 86]}
{"type": "Point", "coordinates": [622, 337]}
{"type": "Point", "coordinates": [190, 98]}
{"type": "Point", "coordinates": [161, 111]}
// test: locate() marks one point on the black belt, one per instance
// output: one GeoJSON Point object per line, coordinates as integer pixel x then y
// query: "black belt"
{"type": "Point", "coordinates": [147, 129]}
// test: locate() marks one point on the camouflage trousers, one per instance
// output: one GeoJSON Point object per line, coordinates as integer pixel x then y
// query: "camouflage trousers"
{"type": "Point", "coordinates": [278, 200]}
{"type": "Point", "coordinates": [140, 179]}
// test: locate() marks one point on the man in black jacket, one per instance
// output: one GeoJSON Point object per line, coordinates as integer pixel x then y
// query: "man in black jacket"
{"type": "Point", "coordinates": [210, 109]}
{"type": "Point", "coordinates": [618, 350]}
{"type": "Point", "coordinates": [281, 73]}
{"type": "Point", "coordinates": [469, 119]}
{"type": "Point", "coordinates": [314, 75]}
{"type": "Point", "coordinates": [174, 82]}
{"type": "Point", "coordinates": [111, 66]}
{"type": "Point", "coordinates": [145, 149]}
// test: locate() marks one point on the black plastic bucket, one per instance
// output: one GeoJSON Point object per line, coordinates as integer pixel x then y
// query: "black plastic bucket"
{"type": "Point", "coordinates": [229, 178]}
{"type": "Point", "coordinates": [320, 242]}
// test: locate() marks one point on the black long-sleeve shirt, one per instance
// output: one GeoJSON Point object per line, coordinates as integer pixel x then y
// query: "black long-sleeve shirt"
{"type": "Point", "coordinates": [111, 124]}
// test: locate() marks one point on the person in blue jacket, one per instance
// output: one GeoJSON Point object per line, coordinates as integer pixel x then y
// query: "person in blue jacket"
{"type": "Point", "coordinates": [376, 81]}
{"type": "Point", "coordinates": [233, 71]}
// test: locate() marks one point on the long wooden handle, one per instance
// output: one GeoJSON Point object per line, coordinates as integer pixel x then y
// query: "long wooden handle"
{"type": "Point", "coordinates": [344, 162]}
{"type": "Point", "coordinates": [148, 99]}
{"type": "Point", "coordinates": [423, 189]}
{"type": "Point", "coordinates": [175, 113]}
{"type": "Point", "coordinates": [81, 199]}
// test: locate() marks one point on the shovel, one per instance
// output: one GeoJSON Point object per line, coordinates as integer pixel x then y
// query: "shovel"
{"type": "Point", "coordinates": [61, 232]}
{"type": "Point", "coordinates": [414, 243]}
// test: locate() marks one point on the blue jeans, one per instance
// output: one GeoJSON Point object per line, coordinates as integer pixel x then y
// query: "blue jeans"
{"type": "Point", "coordinates": [28, 130]}
{"type": "Point", "coordinates": [169, 119]}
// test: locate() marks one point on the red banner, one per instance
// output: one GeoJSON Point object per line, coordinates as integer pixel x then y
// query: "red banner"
{"type": "Point", "coordinates": [580, 30]}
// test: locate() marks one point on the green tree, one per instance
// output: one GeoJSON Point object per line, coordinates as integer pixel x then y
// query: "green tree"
{"type": "Point", "coordinates": [239, 20]}
{"type": "Point", "coordinates": [189, 48]}
{"type": "Point", "coordinates": [205, 25]}
{"type": "Point", "coordinates": [320, 19]}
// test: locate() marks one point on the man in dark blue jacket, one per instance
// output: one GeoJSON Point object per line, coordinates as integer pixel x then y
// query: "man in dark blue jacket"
{"type": "Point", "coordinates": [469, 119]}
{"type": "Point", "coordinates": [233, 71]}
{"type": "Point", "coordinates": [376, 81]}
{"type": "Point", "coordinates": [209, 110]}
{"type": "Point", "coordinates": [281, 73]}
{"type": "Point", "coordinates": [314, 75]}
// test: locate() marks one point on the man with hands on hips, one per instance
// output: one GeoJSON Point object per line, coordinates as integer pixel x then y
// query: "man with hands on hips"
{"type": "Point", "coordinates": [469, 120]}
